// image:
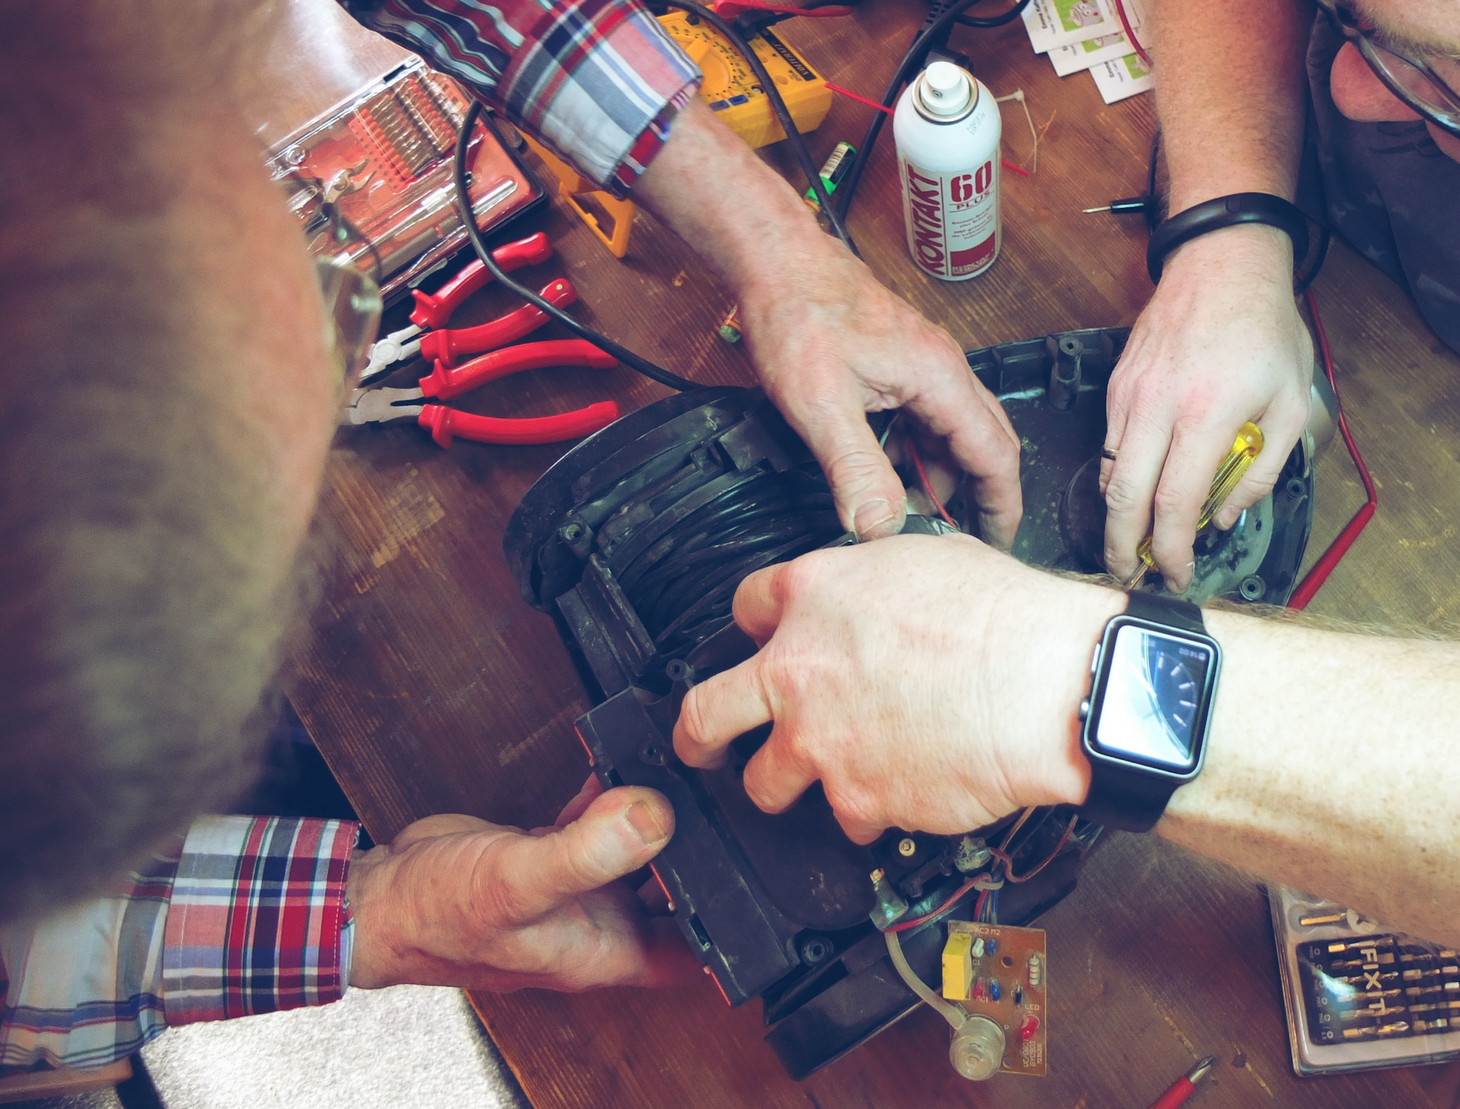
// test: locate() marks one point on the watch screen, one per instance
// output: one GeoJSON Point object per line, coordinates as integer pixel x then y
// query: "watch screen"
{"type": "Point", "coordinates": [1153, 694]}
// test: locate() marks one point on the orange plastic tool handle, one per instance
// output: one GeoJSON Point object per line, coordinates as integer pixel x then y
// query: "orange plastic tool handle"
{"type": "Point", "coordinates": [445, 346]}
{"type": "Point", "coordinates": [444, 424]}
{"type": "Point", "coordinates": [444, 382]}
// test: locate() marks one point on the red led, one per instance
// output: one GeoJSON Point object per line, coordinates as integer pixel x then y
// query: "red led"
{"type": "Point", "coordinates": [1028, 1027]}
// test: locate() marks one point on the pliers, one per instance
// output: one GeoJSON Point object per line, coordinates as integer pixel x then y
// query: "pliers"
{"type": "Point", "coordinates": [379, 406]}
{"type": "Point", "coordinates": [432, 310]}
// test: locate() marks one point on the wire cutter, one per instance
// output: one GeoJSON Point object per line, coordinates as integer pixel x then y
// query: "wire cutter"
{"type": "Point", "coordinates": [432, 310]}
{"type": "Point", "coordinates": [380, 405]}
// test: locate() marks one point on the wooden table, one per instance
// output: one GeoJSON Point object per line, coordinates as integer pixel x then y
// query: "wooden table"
{"type": "Point", "coordinates": [430, 686]}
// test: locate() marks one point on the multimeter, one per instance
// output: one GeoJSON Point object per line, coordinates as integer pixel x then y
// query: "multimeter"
{"type": "Point", "coordinates": [731, 88]}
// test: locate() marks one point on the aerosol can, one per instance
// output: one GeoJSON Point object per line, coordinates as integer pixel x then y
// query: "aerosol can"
{"type": "Point", "coordinates": [947, 129]}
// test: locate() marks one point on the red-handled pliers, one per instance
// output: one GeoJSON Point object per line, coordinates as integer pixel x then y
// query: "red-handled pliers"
{"type": "Point", "coordinates": [432, 310]}
{"type": "Point", "coordinates": [380, 406]}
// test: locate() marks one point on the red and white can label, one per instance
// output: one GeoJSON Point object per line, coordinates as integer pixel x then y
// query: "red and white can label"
{"type": "Point", "coordinates": [952, 219]}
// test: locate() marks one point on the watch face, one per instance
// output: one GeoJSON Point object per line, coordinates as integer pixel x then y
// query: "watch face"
{"type": "Point", "coordinates": [1155, 689]}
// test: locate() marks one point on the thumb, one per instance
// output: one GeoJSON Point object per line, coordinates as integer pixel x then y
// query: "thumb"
{"type": "Point", "coordinates": [870, 499]}
{"type": "Point", "coordinates": [616, 835]}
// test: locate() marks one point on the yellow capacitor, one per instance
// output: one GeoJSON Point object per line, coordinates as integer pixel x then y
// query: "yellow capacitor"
{"type": "Point", "coordinates": [732, 90]}
{"type": "Point", "coordinates": [957, 966]}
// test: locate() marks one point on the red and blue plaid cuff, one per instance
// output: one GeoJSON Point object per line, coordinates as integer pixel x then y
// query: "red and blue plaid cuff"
{"type": "Point", "coordinates": [256, 916]}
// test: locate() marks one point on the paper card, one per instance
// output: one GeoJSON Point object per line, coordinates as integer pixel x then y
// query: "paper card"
{"type": "Point", "coordinates": [1085, 55]}
{"type": "Point", "coordinates": [1051, 24]}
{"type": "Point", "coordinates": [1121, 78]}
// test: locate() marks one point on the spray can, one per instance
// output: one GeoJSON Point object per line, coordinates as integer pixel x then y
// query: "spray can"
{"type": "Point", "coordinates": [947, 130]}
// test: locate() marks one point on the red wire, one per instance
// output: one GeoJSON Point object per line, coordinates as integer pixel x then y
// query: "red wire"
{"type": "Point", "coordinates": [734, 9]}
{"type": "Point", "coordinates": [1316, 576]}
{"type": "Point", "coordinates": [1130, 34]}
{"type": "Point", "coordinates": [859, 98]}
{"type": "Point", "coordinates": [928, 485]}
{"type": "Point", "coordinates": [904, 925]}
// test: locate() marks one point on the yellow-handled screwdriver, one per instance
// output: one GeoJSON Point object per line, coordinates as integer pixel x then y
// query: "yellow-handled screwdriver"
{"type": "Point", "coordinates": [1245, 449]}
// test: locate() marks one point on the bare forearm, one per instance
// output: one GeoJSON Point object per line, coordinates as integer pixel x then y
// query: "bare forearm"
{"type": "Point", "coordinates": [1331, 767]}
{"type": "Point", "coordinates": [741, 216]}
{"type": "Point", "coordinates": [1230, 92]}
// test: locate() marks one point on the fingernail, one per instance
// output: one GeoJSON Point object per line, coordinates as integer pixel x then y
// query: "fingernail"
{"type": "Point", "coordinates": [646, 821]}
{"type": "Point", "coordinates": [1187, 575]}
{"type": "Point", "coordinates": [1226, 518]}
{"type": "Point", "coordinates": [875, 519]}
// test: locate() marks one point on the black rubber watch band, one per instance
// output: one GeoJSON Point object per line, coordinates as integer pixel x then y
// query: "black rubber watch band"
{"type": "Point", "coordinates": [1119, 799]}
{"type": "Point", "coordinates": [1227, 211]}
{"type": "Point", "coordinates": [1165, 610]}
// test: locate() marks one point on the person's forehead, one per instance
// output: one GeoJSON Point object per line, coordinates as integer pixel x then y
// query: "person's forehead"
{"type": "Point", "coordinates": [1429, 26]}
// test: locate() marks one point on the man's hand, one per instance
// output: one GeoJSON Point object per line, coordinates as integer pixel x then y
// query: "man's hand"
{"type": "Point", "coordinates": [829, 341]}
{"type": "Point", "coordinates": [1221, 342]}
{"type": "Point", "coordinates": [928, 682]}
{"type": "Point", "coordinates": [832, 344]}
{"type": "Point", "coordinates": [457, 901]}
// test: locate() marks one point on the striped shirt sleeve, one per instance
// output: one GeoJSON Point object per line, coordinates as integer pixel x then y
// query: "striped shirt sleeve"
{"type": "Point", "coordinates": [247, 915]}
{"type": "Point", "coordinates": [83, 989]}
{"type": "Point", "coordinates": [255, 919]}
{"type": "Point", "coordinates": [599, 81]}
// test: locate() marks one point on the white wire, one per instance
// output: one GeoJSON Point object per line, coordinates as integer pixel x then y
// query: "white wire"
{"type": "Point", "coordinates": [951, 1013]}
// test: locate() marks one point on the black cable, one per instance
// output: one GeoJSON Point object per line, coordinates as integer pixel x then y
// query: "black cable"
{"type": "Point", "coordinates": [994, 20]}
{"type": "Point", "coordinates": [778, 106]}
{"type": "Point", "coordinates": [930, 35]}
{"type": "Point", "coordinates": [684, 577]}
{"type": "Point", "coordinates": [478, 244]}
{"type": "Point", "coordinates": [1153, 198]}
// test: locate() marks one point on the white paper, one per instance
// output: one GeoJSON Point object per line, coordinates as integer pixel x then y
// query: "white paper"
{"type": "Point", "coordinates": [1086, 55]}
{"type": "Point", "coordinates": [1052, 24]}
{"type": "Point", "coordinates": [1121, 78]}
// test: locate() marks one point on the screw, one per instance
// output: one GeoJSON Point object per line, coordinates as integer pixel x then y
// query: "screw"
{"type": "Point", "coordinates": [907, 847]}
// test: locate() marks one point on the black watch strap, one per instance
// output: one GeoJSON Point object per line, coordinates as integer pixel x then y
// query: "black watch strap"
{"type": "Point", "coordinates": [1227, 211]}
{"type": "Point", "coordinates": [1119, 798]}
{"type": "Point", "coordinates": [1165, 610]}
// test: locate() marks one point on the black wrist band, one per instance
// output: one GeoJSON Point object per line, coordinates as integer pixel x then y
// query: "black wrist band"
{"type": "Point", "coordinates": [1227, 211]}
{"type": "Point", "coordinates": [1169, 610]}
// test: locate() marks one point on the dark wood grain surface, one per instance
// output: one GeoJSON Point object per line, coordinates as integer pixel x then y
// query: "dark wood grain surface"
{"type": "Point", "coordinates": [430, 686]}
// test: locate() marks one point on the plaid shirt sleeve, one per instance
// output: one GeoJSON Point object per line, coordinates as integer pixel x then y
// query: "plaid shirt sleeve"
{"type": "Point", "coordinates": [599, 81]}
{"type": "Point", "coordinates": [248, 915]}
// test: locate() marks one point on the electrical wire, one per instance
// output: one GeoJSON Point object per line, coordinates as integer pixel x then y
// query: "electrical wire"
{"type": "Point", "coordinates": [1318, 574]}
{"type": "Point", "coordinates": [977, 882]}
{"type": "Point", "coordinates": [1010, 876]}
{"type": "Point", "coordinates": [928, 484]}
{"type": "Point", "coordinates": [473, 232]}
{"type": "Point", "coordinates": [999, 20]}
{"type": "Point", "coordinates": [951, 1013]}
{"type": "Point", "coordinates": [931, 33]}
{"type": "Point", "coordinates": [782, 114]}
{"type": "Point", "coordinates": [1130, 34]}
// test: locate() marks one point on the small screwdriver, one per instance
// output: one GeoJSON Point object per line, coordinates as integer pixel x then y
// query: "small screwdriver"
{"type": "Point", "coordinates": [1245, 449]}
{"type": "Point", "coordinates": [1126, 204]}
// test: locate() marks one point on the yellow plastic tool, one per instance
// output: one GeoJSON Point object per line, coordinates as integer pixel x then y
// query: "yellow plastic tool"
{"type": "Point", "coordinates": [1245, 449]}
{"type": "Point", "coordinates": [732, 89]}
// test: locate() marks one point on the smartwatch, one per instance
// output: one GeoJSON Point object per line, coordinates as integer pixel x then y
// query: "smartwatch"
{"type": "Point", "coordinates": [1153, 679]}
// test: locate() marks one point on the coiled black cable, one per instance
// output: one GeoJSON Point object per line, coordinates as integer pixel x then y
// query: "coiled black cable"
{"type": "Point", "coordinates": [681, 584]}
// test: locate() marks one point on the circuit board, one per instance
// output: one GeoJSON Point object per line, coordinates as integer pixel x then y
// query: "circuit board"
{"type": "Point", "coordinates": [732, 90]}
{"type": "Point", "coordinates": [1002, 972]}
